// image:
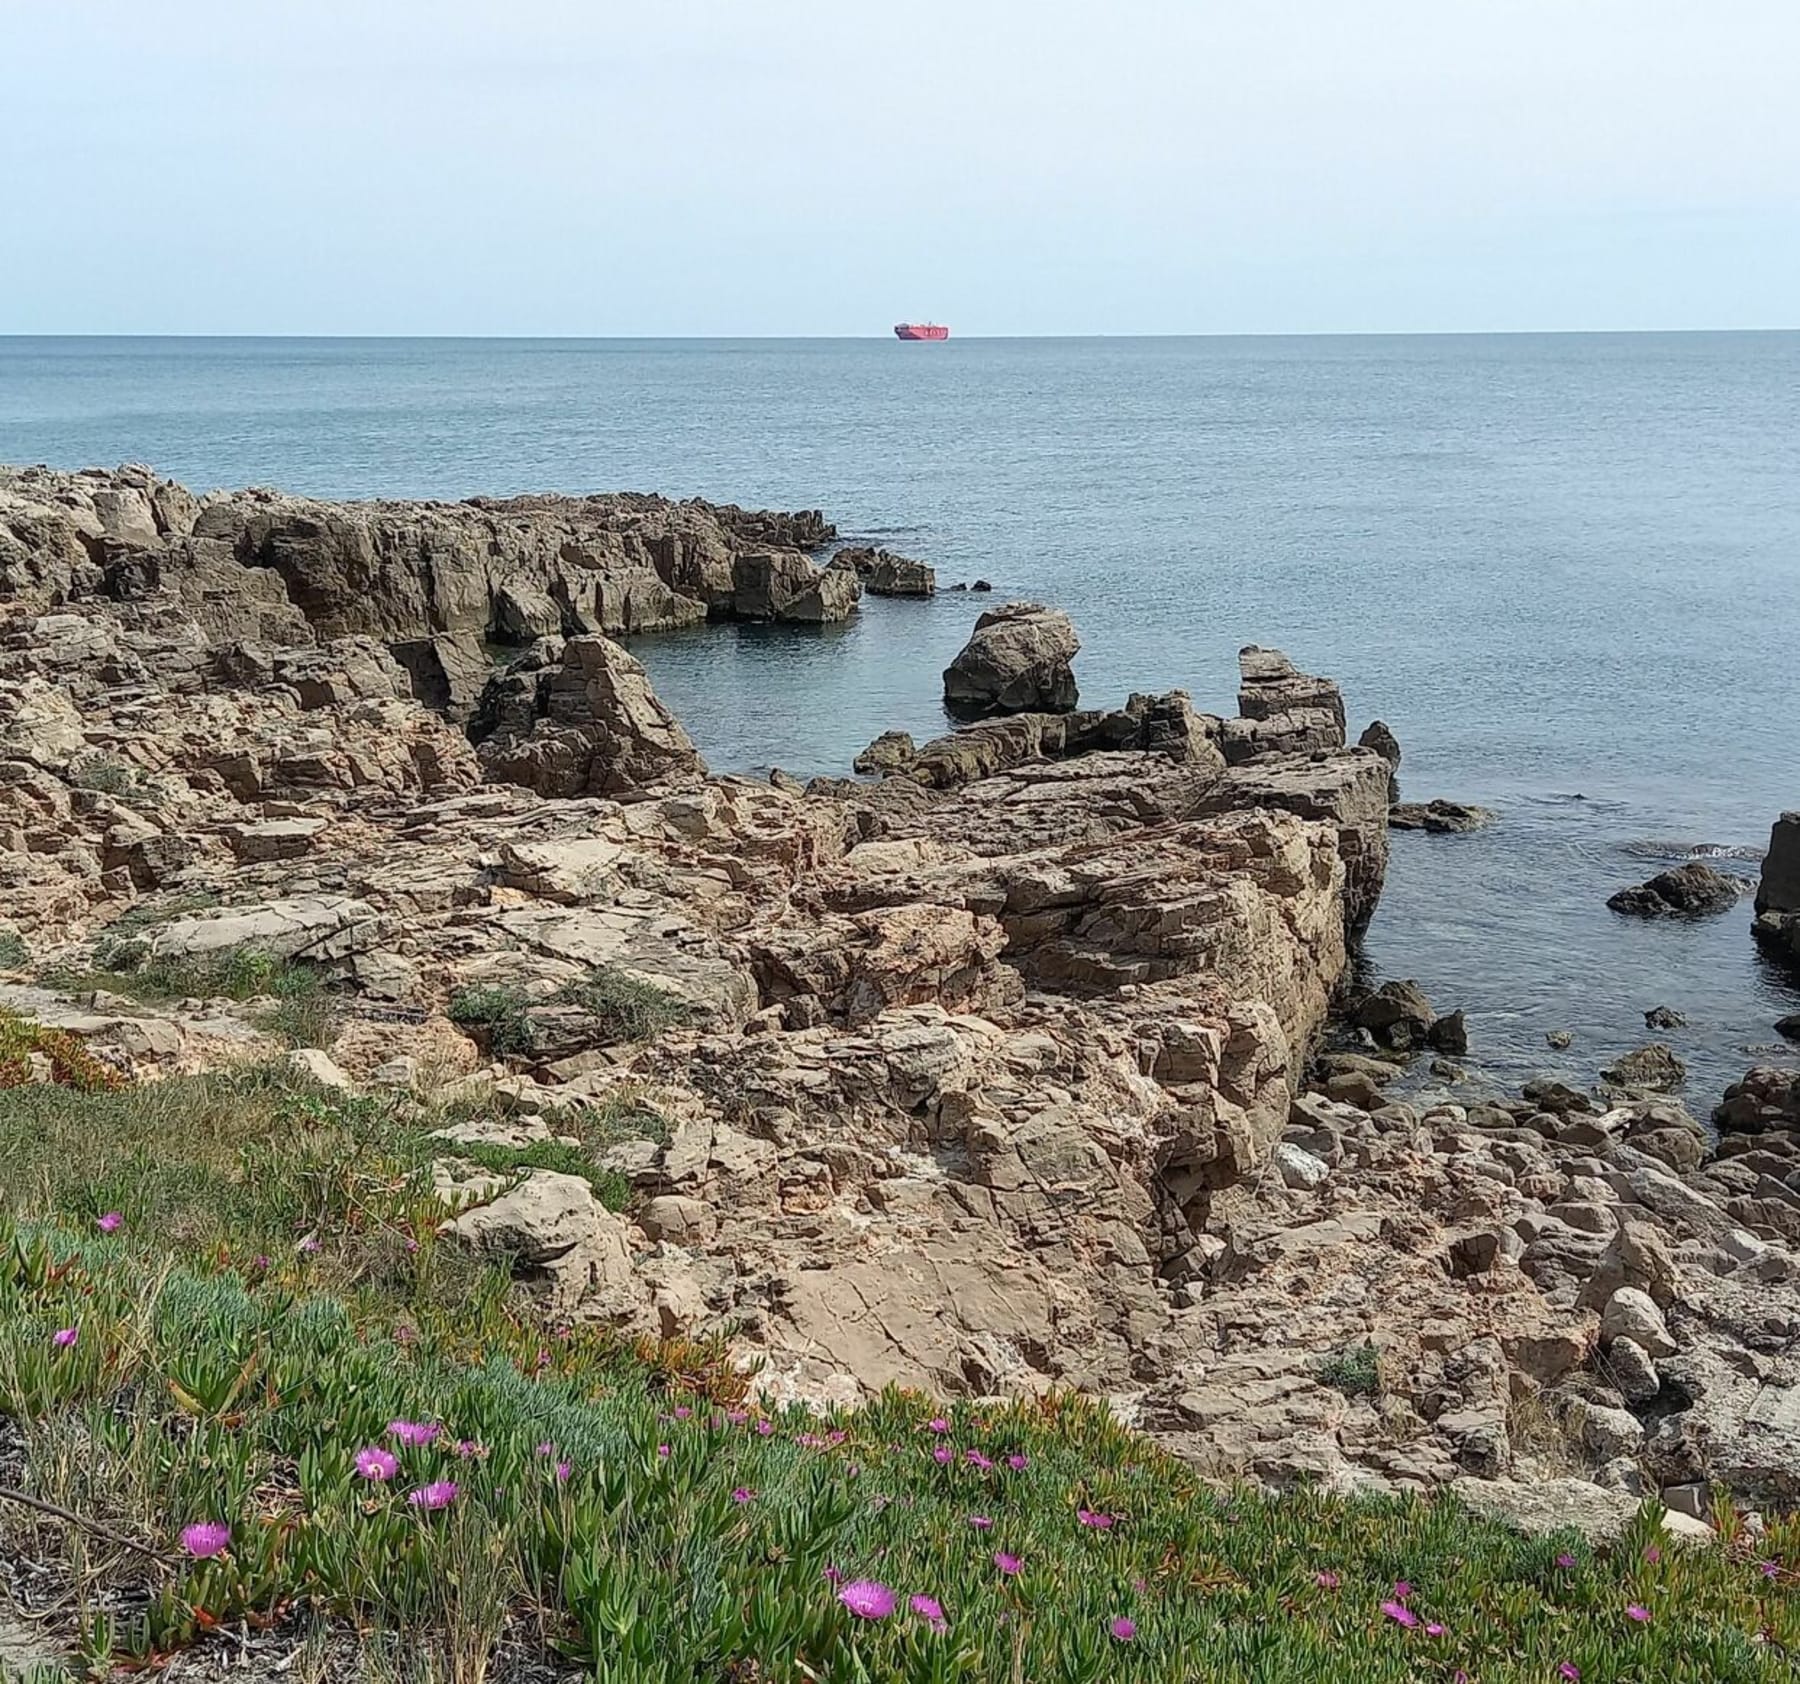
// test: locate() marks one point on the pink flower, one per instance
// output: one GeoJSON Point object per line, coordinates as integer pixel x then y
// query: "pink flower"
{"type": "Point", "coordinates": [765, 1428]}
{"type": "Point", "coordinates": [412, 1244]}
{"type": "Point", "coordinates": [1400, 1614]}
{"type": "Point", "coordinates": [1652, 1554]}
{"type": "Point", "coordinates": [1402, 1590]}
{"type": "Point", "coordinates": [1018, 1464]}
{"type": "Point", "coordinates": [743, 1494]}
{"type": "Point", "coordinates": [467, 1447]}
{"type": "Point", "coordinates": [1327, 1580]}
{"type": "Point", "coordinates": [310, 1244]}
{"type": "Point", "coordinates": [929, 1609]}
{"type": "Point", "coordinates": [1565, 1560]}
{"type": "Point", "coordinates": [1637, 1611]}
{"type": "Point", "coordinates": [834, 1575]}
{"type": "Point", "coordinates": [944, 1455]}
{"type": "Point", "coordinates": [64, 1337]}
{"type": "Point", "coordinates": [868, 1599]}
{"type": "Point", "coordinates": [545, 1449]}
{"type": "Point", "coordinates": [1769, 1569]}
{"type": "Point", "coordinates": [259, 1261]}
{"type": "Point", "coordinates": [1568, 1670]}
{"type": "Point", "coordinates": [563, 1470]}
{"type": "Point", "coordinates": [980, 1522]}
{"type": "Point", "coordinates": [413, 1435]}
{"type": "Point", "coordinates": [662, 1450]}
{"type": "Point", "coordinates": [1435, 1630]}
{"type": "Point", "coordinates": [372, 1462]}
{"type": "Point", "coordinates": [975, 1459]}
{"type": "Point", "coordinates": [1123, 1628]}
{"type": "Point", "coordinates": [1093, 1517]}
{"type": "Point", "coordinates": [439, 1494]}
{"type": "Point", "coordinates": [937, 1424]}
{"type": "Point", "coordinates": [682, 1412]}
{"type": "Point", "coordinates": [737, 1417]}
{"type": "Point", "coordinates": [205, 1538]}
{"type": "Point", "coordinates": [110, 1222]}
{"type": "Point", "coordinates": [1010, 1565]}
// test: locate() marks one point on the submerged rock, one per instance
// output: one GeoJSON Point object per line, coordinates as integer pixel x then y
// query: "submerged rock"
{"type": "Point", "coordinates": [1654, 1067]}
{"type": "Point", "coordinates": [1439, 817]}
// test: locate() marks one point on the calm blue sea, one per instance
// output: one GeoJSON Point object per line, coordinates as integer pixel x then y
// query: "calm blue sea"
{"type": "Point", "coordinates": [1565, 569]}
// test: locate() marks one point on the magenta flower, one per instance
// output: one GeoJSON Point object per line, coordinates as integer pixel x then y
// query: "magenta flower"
{"type": "Point", "coordinates": [413, 1435]}
{"type": "Point", "coordinates": [310, 1244]}
{"type": "Point", "coordinates": [563, 1470]}
{"type": "Point", "coordinates": [662, 1450]}
{"type": "Point", "coordinates": [834, 1575]}
{"type": "Point", "coordinates": [1402, 1590]}
{"type": "Point", "coordinates": [1327, 1580]}
{"type": "Point", "coordinates": [1123, 1628]}
{"type": "Point", "coordinates": [545, 1449]}
{"type": "Point", "coordinates": [1565, 1560]}
{"type": "Point", "coordinates": [937, 1424]}
{"type": "Point", "coordinates": [64, 1337]}
{"type": "Point", "coordinates": [975, 1459]}
{"type": "Point", "coordinates": [439, 1494]}
{"type": "Point", "coordinates": [930, 1610]}
{"type": "Point", "coordinates": [980, 1522]}
{"type": "Point", "coordinates": [1010, 1565]}
{"type": "Point", "coordinates": [1652, 1554]}
{"type": "Point", "coordinates": [259, 1261]}
{"type": "Point", "coordinates": [1637, 1611]}
{"type": "Point", "coordinates": [1434, 1629]}
{"type": "Point", "coordinates": [743, 1494]}
{"type": "Point", "coordinates": [737, 1417]}
{"type": "Point", "coordinates": [372, 1462]}
{"type": "Point", "coordinates": [1094, 1518]}
{"type": "Point", "coordinates": [1568, 1670]}
{"type": "Point", "coordinates": [110, 1222]}
{"type": "Point", "coordinates": [1018, 1464]}
{"type": "Point", "coordinates": [205, 1538]}
{"type": "Point", "coordinates": [944, 1455]}
{"type": "Point", "coordinates": [1400, 1614]}
{"type": "Point", "coordinates": [868, 1599]}
{"type": "Point", "coordinates": [764, 1428]}
{"type": "Point", "coordinates": [682, 1412]}
{"type": "Point", "coordinates": [467, 1447]}
{"type": "Point", "coordinates": [1769, 1569]}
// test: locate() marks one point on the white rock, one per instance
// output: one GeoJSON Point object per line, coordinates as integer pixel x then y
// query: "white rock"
{"type": "Point", "coordinates": [319, 1066]}
{"type": "Point", "coordinates": [1299, 1168]}
{"type": "Point", "coordinates": [1632, 1314]}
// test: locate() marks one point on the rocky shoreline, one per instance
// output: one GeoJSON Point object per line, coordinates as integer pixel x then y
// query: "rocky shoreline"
{"type": "Point", "coordinates": [995, 1075]}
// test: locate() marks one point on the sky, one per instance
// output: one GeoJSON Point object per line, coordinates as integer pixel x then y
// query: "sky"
{"type": "Point", "coordinates": [676, 167]}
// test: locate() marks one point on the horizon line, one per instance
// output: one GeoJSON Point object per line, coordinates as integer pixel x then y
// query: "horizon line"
{"type": "Point", "coordinates": [880, 338]}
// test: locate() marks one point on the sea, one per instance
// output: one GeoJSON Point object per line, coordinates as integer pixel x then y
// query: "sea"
{"type": "Point", "coordinates": [1565, 569]}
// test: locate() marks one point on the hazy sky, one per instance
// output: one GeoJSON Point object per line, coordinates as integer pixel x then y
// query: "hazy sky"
{"type": "Point", "coordinates": [829, 166]}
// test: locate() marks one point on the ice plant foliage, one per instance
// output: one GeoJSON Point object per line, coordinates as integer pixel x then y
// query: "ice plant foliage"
{"type": "Point", "coordinates": [694, 1539]}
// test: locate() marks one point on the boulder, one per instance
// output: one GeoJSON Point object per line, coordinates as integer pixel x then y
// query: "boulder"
{"type": "Point", "coordinates": [559, 1237]}
{"type": "Point", "coordinates": [1017, 661]}
{"type": "Point", "coordinates": [1654, 1068]}
{"type": "Point", "coordinates": [1632, 1314]}
{"type": "Point", "coordinates": [1778, 887]}
{"type": "Point", "coordinates": [595, 727]}
{"type": "Point", "coordinates": [1695, 890]}
{"type": "Point", "coordinates": [784, 585]}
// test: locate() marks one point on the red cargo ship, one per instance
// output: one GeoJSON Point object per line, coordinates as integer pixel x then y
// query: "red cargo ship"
{"type": "Point", "coordinates": [920, 330]}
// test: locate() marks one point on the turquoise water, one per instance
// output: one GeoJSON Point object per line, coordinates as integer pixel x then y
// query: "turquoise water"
{"type": "Point", "coordinates": [1558, 566]}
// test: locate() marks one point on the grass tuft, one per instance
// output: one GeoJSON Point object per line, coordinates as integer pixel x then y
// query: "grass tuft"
{"type": "Point", "coordinates": [628, 1008]}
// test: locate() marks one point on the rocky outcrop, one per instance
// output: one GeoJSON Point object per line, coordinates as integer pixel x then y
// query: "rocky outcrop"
{"type": "Point", "coordinates": [885, 574]}
{"type": "Point", "coordinates": [1439, 817]}
{"type": "Point", "coordinates": [1695, 890]}
{"type": "Point", "coordinates": [1283, 711]}
{"type": "Point", "coordinates": [1017, 661]}
{"type": "Point", "coordinates": [588, 725]}
{"type": "Point", "coordinates": [1778, 888]}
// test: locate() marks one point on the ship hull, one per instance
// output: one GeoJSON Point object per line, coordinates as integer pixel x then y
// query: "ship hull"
{"type": "Point", "coordinates": [920, 330]}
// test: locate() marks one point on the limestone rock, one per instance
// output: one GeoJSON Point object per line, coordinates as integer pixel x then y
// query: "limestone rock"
{"type": "Point", "coordinates": [597, 728]}
{"type": "Point", "coordinates": [1632, 1314]}
{"type": "Point", "coordinates": [561, 1238]}
{"type": "Point", "coordinates": [884, 574]}
{"type": "Point", "coordinates": [1017, 661]}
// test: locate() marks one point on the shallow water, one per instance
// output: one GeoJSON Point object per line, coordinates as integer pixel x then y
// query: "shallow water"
{"type": "Point", "coordinates": [1558, 566]}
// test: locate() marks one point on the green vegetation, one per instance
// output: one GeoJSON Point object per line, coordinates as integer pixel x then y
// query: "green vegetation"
{"type": "Point", "coordinates": [628, 1008]}
{"type": "Point", "coordinates": [101, 772]}
{"type": "Point", "coordinates": [1355, 1371]}
{"type": "Point", "coordinates": [224, 1304]}
{"type": "Point", "coordinates": [147, 914]}
{"type": "Point", "coordinates": [301, 1012]}
{"type": "Point", "coordinates": [14, 955]}
{"type": "Point", "coordinates": [499, 1014]}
